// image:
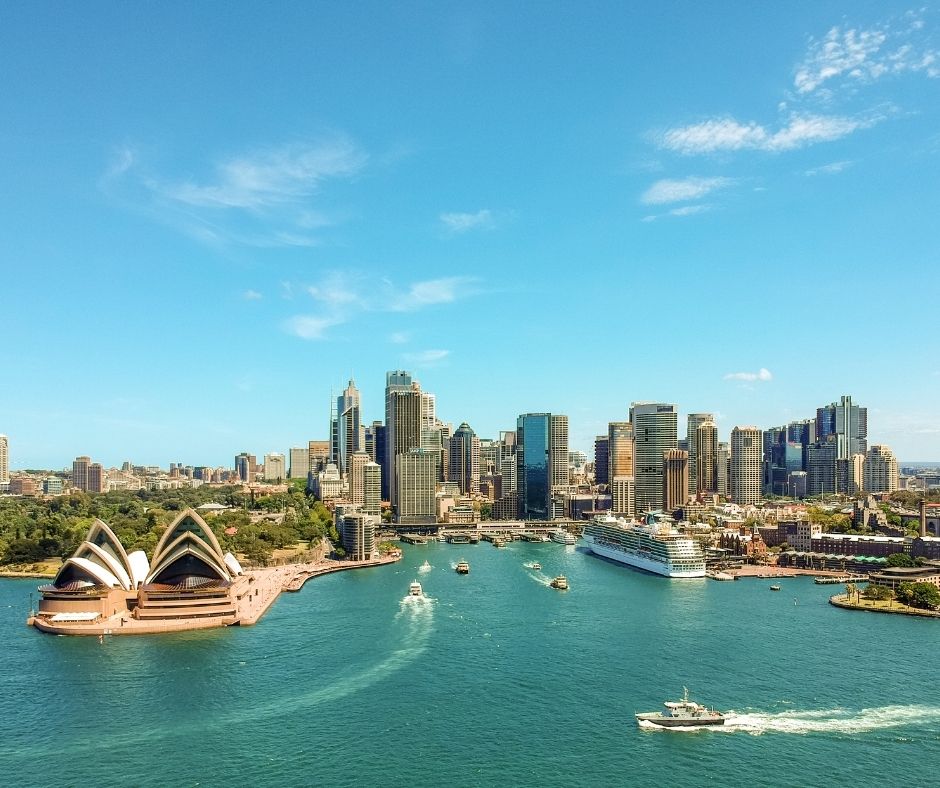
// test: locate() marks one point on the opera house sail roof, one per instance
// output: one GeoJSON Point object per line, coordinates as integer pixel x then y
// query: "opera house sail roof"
{"type": "Point", "coordinates": [101, 561]}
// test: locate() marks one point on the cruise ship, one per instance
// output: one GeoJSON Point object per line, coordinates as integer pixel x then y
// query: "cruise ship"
{"type": "Point", "coordinates": [654, 546]}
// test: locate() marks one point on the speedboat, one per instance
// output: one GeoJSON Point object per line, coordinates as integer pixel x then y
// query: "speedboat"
{"type": "Point", "coordinates": [415, 589]}
{"type": "Point", "coordinates": [536, 566]}
{"type": "Point", "coordinates": [775, 587]}
{"type": "Point", "coordinates": [683, 713]}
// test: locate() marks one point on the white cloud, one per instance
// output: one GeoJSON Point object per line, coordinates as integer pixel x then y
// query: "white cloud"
{"type": "Point", "coordinates": [251, 295]}
{"type": "Point", "coordinates": [728, 134]}
{"type": "Point", "coordinates": [762, 374]}
{"type": "Point", "coordinates": [829, 169]}
{"type": "Point", "coordinates": [272, 177]}
{"type": "Point", "coordinates": [310, 326]}
{"type": "Point", "coordinates": [463, 222]}
{"type": "Point", "coordinates": [426, 357]}
{"type": "Point", "coordinates": [690, 210]}
{"type": "Point", "coordinates": [430, 292]}
{"type": "Point", "coordinates": [399, 337]}
{"type": "Point", "coordinates": [668, 190]}
{"type": "Point", "coordinates": [335, 292]}
{"type": "Point", "coordinates": [865, 55]}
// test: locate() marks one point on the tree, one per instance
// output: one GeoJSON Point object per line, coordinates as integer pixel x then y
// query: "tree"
{"type": "Point", "coordinates": [925, 596]}
{"type": "Point", "coordinates": [878, 593]}
{"type": "Point", "coordinates": [899, 560]}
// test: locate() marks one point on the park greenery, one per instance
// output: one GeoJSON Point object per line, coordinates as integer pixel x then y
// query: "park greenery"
{"type": "Point", "coordinates": [925, 596]}
{"type": "Point", "coordinates": [34, 529]}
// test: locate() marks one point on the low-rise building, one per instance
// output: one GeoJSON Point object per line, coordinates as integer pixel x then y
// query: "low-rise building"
{"type": "Point", "coordinates": [893, 577]}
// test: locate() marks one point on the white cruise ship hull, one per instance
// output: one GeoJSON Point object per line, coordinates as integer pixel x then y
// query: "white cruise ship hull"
{"type": "Point", "coordinates": [640, 561]}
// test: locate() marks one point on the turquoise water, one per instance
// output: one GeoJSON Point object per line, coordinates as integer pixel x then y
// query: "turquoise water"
{"type": "Point", "coordinates": [500, 680]}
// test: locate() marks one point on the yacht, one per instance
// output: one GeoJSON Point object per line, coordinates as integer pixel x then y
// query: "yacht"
{"type": "Point", "coordinates": [683, 713]}
{"type": "Point", "coordinates": [561, 536]}
{"type": "Point", "coordinates": [463, 568]}
{"type": "Point", "coordinates": [560, 582]}
{"type": "Point", "coordinates": [415, 589]}
{"type": "Point", "coordinates": [536, 566]}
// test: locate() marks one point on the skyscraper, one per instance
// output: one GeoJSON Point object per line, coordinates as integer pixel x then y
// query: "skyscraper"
{"type": "Point", "coordinates": [404, 426]}
{"type": "Point", "coordinates": [415, 488]}
{"type": "Point", "coordinates": [692, 424]}
{"type": "Point", "coordinates": [506, 465]}
{"type": "Point", "coordinates": [464, 464]}
{"type": "Point", "coordinates": [623, 495]}
{"type": "Point", "coordinates": [881, 470]}
{"type": "Point", "coordinates": [356, 477]}
{"type": "Point", "coordinates": [723, 474]}
{"type": "Point", "coordinates": [821, 467]}
{"type": "Point", "coordinates": [372, 489]}
{"type": "Point", "coordinates": [80, 467]}
{"type": "Point", "coordinates": [533, 475]}
{"type": "Point", "coordinates": [675, 479]}
{"type": "Point", "coordinates": [243, 467]}
{"type": "Point", "coordinates": [395, 381]}
{"type": "Point", "coordinates": [655, 427]}
{"type": "Point", "coordinates": [4, 459]}
{"type": "Point", "coordinates": [97, 481]}
{"type": "Point", "coordinates": [620, 448]}
{"type": "Point", "coordinates": [848, 423]}
{"type": "Point", "coordinates": [350, 431]}
{"type": "Point", "coordinates": [601, 459]}
{"type": "Point", "coordinates": [299, 462]}
{"type": "Point", "coordinates": [318, 455]}
{"type": "Point", "coordinates": [274, 467]}
{"type": "Point", "coordinates": [706, 458]}
{"type": "Point", "coordinates": [558, 452]}
{"type": "Point", "coordinates": [746, 456]}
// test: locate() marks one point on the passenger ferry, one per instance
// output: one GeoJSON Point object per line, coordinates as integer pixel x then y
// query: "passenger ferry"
{"type": "Point", "coordinates": [561, 536]}
{"type": "Point", "coordinates": [415, 589]}
{"type": "Point", "coordinates": [463, 568]}
{"type": "Point", "coordinates": [654, 546]}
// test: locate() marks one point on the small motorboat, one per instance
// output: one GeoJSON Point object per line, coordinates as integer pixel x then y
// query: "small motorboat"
{"type": "Point", "coordinates": [536, 566]}
{"type": "Point", "coordinates": [463, 568]}
{"type": "Point", "coordinates": [775, 587]}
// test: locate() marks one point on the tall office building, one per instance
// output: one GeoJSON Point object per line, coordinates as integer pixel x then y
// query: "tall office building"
{"type": "Point", "coordinates": [356, 477]}
{"type": "Point", "coordinates": [620, 449]}
{"type": "Point", "coordinates": [533, 466]}
{"type": "Point", "coordinates": [821, 467]}
{"type": "Point", "coordinates": [299, 462]}
{"type": "Point", "coordinates": [372, 489]}
{"type": "Point", "coordinates": [395, 382]}
{"type": "Point", "coordinates": [601, 459]}
{"type": "Point", "coordinates": [318, 455]}
{"type": "Point", "coordinates": [404, 426]}
{"type": "Point", "coordinates": [705, 441]}
{"type": "Point", "coordinates": [623, 496]}
{"type": "Point", "coordinates": [558, 452]}
{"type": "Point", "coordinates": [4, 459]}
{"type": "Point", "coordinates": [80, 467]}
{"type": "Point", "coordinates": [350, 431]}
{"type": "Point", "coordinates": [506, 465]}
{"type": "Point", "coordinates": [243, 469]}
{"type": "Point", "coordinates": [274, 470]}
{"type": "Point", "coordinates": [723, 474]}
{"type": "Point", "coordinates": [416, 487]}
{"type": "Point", "coordinates": [675, 479]}
{"type": "Point", "coordinates": [881, 470]}
{"type": "Point", "coordinates": [692, 424]}
{"type": "Point", "coordinates": [464, 464]}
{"type": "Point", "coordinates": [655, 426]}
{"type": "Point", "coordinates": [848, 423]}
{"type": "Point", "coordinates": [746, 457]}
{"type": "Point", "coordinates": [489, 452]}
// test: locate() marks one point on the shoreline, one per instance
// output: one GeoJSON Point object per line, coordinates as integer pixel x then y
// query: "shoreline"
{"type": "Point", "coordinates": [254, 593]}
{"type": "Point", "coordinates": [840, 600]}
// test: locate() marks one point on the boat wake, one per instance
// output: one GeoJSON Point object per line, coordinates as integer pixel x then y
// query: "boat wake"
{"type": "Point", "coordinates": [424, 568]}
{"type": "Point", "coordinates": [816, 721]}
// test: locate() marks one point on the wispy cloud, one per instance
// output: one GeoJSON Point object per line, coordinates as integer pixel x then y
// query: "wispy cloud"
{"type": "Point", "coordinates": [727, 134]}
{"type": "Point", "coordinates": [684, 210]}
{"type": "Point", "coordinates": [399, 337]}
{"type": "Point", "coordinates": [251, 295]}
{"type": "Point", "coordinates": [829, 169]}
{"type": "Point", "coordinates": [426, 357]}
{"type": "Point", "coordinates": [464, 222]}
{"type": "Point", "coordinates": [430, 292]}
{"type": "Point", "coordinates": [310, 326]}
{"type": "Point", "coordinates": [861, 56]}
{"type": "Point", "coordinates": [762, 374]}
{"type": "Point", "coordinates": [668, 190]}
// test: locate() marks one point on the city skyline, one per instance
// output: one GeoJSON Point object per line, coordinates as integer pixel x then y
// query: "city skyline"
{"type": "Point", "coordinates": [202, 245]}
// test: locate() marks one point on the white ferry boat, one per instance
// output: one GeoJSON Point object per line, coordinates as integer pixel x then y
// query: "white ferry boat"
{"type": "Point", "coordinates": [561, 536]}
{"type": "Point", "coordinates": [415, 589]}
{"type": "Point", "coordinates": [654, 546]}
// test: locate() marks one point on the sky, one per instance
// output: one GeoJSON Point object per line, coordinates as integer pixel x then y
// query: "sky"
{"type": "Point", "coordinates": [213, 215]}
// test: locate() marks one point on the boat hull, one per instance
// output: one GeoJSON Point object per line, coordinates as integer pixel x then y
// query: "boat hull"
{"type": "Point", "coordinates": [640, 562]}
{"type": "Point", "coordinates": [677, 722]}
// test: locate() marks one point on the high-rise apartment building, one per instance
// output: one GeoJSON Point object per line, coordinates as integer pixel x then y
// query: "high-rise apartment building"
{"type": "Point", "coordinates": [356, 477]}
{"type": "Point", "coordinates": [623, 496]}
{"type": "Point", "coordinates": [80, 467]}
{"type": "Point", "coordinates": [723, 474]}
{"type": "Point", "coordinates": [692, 424]}
{"type": "Point", "coordinates": [464, 462]}
{"type": "Point", "coordinates": [97, 480]}
{"type": "Point", "coordinates": [558, 452]}
{"type": "Point", "coordinates": [4, 459]}
{"type": "Point", "coordinates": [655, 426]}
{"type": "Point", "coordinates": [675, 479]}
{"type": "Point", "coordinates": [881, 470]}
{"type": "Point", "coordinates": [533, 466]}
{"type": "Point", "coordinates": [416, 487]}
{"type": "Point", "coordinates": [601, 459]}
{"type": "Point", "coordinates": [372, 489]}
{"type": "Point", "coordinates": [746, 457]}
{"type": "Point", "coordinates": [274, 470]}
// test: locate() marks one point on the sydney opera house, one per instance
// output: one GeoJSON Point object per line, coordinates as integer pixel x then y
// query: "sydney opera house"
{"type": "Point", "coordinates": [188, 583]}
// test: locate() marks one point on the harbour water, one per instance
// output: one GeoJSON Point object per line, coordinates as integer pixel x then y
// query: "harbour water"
{"type": "Point", "coordinates": [495, 679]}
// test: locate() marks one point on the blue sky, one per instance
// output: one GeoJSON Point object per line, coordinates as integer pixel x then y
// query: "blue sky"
{"type": "Point", "coordinates": [214, 214]}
